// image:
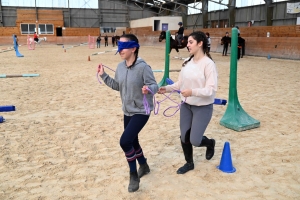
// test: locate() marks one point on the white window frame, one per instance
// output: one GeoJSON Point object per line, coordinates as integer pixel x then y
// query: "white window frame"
{"type": "Point", "coordinates": [27, 32]}
{"type": "Point", "coordinates": [46, 32]}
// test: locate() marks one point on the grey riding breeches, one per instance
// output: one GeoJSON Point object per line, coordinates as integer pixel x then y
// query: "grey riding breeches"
{"type": "Point", "coordinates": [193, 122]}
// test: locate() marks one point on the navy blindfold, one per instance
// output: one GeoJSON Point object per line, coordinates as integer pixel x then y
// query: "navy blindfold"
{"type": "Point", "coordinates": [127, 45]}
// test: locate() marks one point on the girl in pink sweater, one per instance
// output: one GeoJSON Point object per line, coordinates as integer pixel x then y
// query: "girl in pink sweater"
{"type": "Point", "coordinates": [197, 83]}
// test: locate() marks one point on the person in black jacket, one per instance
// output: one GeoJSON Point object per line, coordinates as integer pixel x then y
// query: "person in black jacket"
{"type": "Point", "coordinates": [98, 41]}
{"type": "Point", "coordinates": [225, 41]}
{"type": "Point", "coordinates": [105, 41]}
{"type": "Point", "coordinates": [241, 46]}
{"type": "Point", "coordinates": [180, 33]}
{"type": "Point", "coordinates": [113, 40]}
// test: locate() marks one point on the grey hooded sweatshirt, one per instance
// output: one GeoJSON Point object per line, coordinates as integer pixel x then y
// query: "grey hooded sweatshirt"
{"type": "Point", "coordinates": [129, 81]}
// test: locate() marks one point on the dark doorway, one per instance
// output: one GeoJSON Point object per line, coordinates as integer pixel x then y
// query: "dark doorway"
{"type": "Point", "coordinates": [58, 31]}
{"type": "Point", "coordinates": [156, 25]}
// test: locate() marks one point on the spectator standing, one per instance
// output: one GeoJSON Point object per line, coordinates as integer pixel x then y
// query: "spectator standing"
{"type": "Point", "coordinates": [241, 45]}
{"type": "Point", "coordinates": [225, 41]}
{"type": "Point", "coordinates": [208, 41]}
{"type": "Point", "coordinates": [98, 41]}
{"type": "Point", "coordinates": [113, 40]}
{"type": "Point", "coordinates": [105, 41]}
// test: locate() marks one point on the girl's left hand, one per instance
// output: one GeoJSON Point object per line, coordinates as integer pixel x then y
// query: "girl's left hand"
{"type": "Point", "coordinates": [144, 89]}
{"type": "Point", "coordinates": [186, 93]}
{"type": "Point", "coordinates": [100, 69]}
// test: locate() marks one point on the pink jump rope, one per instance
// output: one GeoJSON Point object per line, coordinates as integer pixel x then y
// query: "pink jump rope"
{"type": "Point", "coordinates": [146, 103]}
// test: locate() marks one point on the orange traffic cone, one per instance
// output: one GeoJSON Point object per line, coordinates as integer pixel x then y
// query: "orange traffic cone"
{"type": "Point", "coordinates": [89, 59]}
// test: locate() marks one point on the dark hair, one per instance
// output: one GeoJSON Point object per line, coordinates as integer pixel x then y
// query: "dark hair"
{"type": "Point", "coordinates": [207, 33]}
{"type": "Point", "coordinates": [226, 33]}
{"type": "Point", "coordinates": [199, 37]}
{"type": "Point", "coordinates": [132, 37]}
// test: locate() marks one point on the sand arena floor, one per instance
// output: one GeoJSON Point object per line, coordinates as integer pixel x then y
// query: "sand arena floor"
{"type": "Point", "coordinates": [62, 142]}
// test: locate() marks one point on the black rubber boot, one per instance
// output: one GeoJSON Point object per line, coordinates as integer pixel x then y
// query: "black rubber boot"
{"type": "Point", "coordinates": [134, 182]}
{"type": "Point", "coordinates": [210, 147]}
{"type": "Point", "coordinates": [143, 170]}
{"type": "Point", "coordinates": [188, 155]}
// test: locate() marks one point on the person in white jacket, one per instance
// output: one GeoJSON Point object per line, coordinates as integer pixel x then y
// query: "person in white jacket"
{"type": "Point", "coordinates": [197, 83]}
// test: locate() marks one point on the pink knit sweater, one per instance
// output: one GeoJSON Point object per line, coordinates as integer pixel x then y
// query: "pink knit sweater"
{"type": "Point", "coordinates": [201, 77]}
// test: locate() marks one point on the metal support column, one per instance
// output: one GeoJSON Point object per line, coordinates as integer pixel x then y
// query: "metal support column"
{"type": "Point", "coordinates": [69, 10]}
{"type": "Point", "coordinates": [36, 12]}
{"type": "Point", "coordinates": [205, 14]}
{"type": "Point", "coordinates": [1, 14]}
{"type": "Point", "coordinates": [99, 14]}
{"type": "Point", "coordinates": [269, 12]}
{"type": "Point", "coordinates": [231, 10]}
{"type": "Point", "coordinates": [184, 11]}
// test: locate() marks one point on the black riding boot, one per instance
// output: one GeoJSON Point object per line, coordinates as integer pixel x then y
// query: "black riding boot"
{"type": "Point", "coordinates": [210, 147]}
{"type": "Point", "coordinates": [134, 182]}
{"type": "Point", "coordinates": [188, 155]}
{"type": "Point", "coordinates": [143, 170]}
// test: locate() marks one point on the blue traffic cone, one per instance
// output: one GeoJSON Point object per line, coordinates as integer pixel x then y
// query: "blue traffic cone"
{"type": "Point", "coordinates": [226, 162]}
{"type": "Point", "coordinates": [269, 57]}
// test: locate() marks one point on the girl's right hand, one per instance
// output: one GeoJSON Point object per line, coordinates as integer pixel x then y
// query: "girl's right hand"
{"type": "Point", "coordinates": [100, 69]}
{"type": "Point", "coordinates": [162, 90]}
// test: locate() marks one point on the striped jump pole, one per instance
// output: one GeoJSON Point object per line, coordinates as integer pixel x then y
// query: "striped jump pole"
{"type": "Point", "coordinates": [102, 52]}
{"type": "Point", "coordinates": [18, 75]}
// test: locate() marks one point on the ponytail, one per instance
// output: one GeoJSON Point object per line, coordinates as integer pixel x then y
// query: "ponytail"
{"type": "Point", "coordinates": [185, 62]}
{"type": "Point", "coordinates": [208, 55]}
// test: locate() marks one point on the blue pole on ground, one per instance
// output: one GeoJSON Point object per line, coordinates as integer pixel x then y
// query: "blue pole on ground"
{"type": "Point", "coordinates": [8, 108]}
{"type": "Point", "coordinates": [2, 119]}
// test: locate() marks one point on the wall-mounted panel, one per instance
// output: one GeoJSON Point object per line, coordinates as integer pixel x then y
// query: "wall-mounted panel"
{"type": "Point", "coordinates": [9, 16]}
